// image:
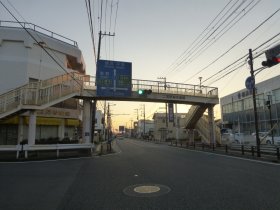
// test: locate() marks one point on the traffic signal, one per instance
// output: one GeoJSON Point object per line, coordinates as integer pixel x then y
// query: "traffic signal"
{"type": "Point", "coordinates": [140, 92]}
{"type": "Point", "coordinates": [272, 56]}
{"type": "Point", "coordinates": [271, 62]}
{"type": "Point", "coordinates": [144, 91]}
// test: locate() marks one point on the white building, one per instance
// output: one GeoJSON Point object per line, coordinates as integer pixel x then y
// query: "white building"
{"type": "Point", "coordinates": [171, 130]}
{"type": "Point", "coordinates": [237, 108]}
{"type": "Point", "coordinates": [144, 127]}
{"type": "Point", "coordinates": [24, 60]}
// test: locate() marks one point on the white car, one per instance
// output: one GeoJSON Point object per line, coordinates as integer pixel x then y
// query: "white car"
{"type": "Point", "coordinates": [275, 138]}
{"type": "Point", "coordinates": [231, 138]}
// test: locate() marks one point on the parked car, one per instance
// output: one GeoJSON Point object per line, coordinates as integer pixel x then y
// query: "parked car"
{"type": "Point", "coordinates": [231, 138]}
{"type": "Point", "coordinates": [275, 138]}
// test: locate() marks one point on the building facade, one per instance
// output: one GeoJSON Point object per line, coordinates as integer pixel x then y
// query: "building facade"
{"type": "Point", "coordinates": [171, 130]}
{"type": "Point", "coordinates": [24, 60]}
{"type": "Point", "coordinates": [237, 108]}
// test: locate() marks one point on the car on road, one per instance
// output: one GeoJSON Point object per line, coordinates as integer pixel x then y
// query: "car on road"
{"type": "Point", "coordinates": [266, 138]}
{"type": "Point", "coordinates": [276, 140]}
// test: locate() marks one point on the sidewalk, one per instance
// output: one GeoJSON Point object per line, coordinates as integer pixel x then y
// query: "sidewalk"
{"type": "Point", "coordinates": [103, 148]}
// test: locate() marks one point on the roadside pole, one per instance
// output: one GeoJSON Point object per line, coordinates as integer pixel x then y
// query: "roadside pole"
{"type": "Point", "coordinates": [254, 103]}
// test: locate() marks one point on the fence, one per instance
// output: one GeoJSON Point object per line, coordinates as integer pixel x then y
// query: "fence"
{"type": "Point", "coordinates": [266, 151]}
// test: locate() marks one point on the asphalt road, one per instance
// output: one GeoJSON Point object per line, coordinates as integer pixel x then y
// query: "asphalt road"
{"type": "Point", "coordinates": [179, 179]}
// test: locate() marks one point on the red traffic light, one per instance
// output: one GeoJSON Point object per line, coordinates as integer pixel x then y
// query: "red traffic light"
{"type": "Point", "coordinates": [271, 62]}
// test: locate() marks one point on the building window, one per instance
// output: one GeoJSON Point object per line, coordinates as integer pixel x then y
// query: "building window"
{"type": "Point", "coordinates": [276, 96]}
{"type": "Point", "coordinates": [248, 103]}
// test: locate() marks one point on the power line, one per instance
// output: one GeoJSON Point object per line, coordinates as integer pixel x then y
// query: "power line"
{"type": "Point", "coordinates": [210, 43]}
{"type": "Point", "coordinates": [207, 37]}
{"type": "Point", "coordinates": [198, 37]}
{"type": "Point", "coordinates": [88, 6]}
{"type": "Point", "coordinates": [237, 62]}
{"type": "Point", "coordinates": [226, 28]}
{"type": "Point", "coordinates": [240, 41]}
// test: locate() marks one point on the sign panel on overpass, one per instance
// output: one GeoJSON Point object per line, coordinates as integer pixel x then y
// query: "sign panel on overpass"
{"type": "Point", "coordinates": [113, 78]}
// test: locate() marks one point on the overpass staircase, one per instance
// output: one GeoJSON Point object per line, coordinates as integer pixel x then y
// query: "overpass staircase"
{"type": "Point", "coordinates": [194, 114]}
{"type": "Point", "coordinates": [202, 126]}
{"type": "Point", "coordinates": [40, 94]}
{"type": "Point", "coordinates": [196, 120]}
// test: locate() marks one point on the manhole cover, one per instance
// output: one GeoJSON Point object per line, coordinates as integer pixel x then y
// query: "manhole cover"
{"type": "Point", "coordinates": [146, 190]}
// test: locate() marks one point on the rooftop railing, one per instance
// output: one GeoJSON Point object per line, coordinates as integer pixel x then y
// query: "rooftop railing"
{"type": "Point", "coordinates": [26, 25]}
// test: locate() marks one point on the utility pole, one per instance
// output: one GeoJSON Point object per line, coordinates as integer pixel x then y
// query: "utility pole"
{"type": "Point", "coordinates": [144, 115]}
{"type": "Point", "coordinates": [254, 103]}
{"type": "Point", "coordinates": [137, 114]}
{"type": "Point", "coordinates": [268, 104]}
{"type": "Point", "coordinates": [109, 122]}
{"type": "Point", "coordinates": [200, 78]}
{"type": "Point", "coordinates": [104, 123]}
{"type": "Point", "coordinates": [144, 120]}
{"type": "Point", "coordinates": [95, 101]}
{"type": "Point", "coordinates": [166, 112]}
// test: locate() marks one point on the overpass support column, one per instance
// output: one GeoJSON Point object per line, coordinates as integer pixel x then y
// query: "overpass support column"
{"type": "Point", "coordinates": [211, 125]}
{"type": "Point", "coordinates": [61, 130]}
{"type": "Point", "coordinates": [32, 128]}
{"type": "Point", "coordinates": [20, 129]}
{"type": "Point", "coordinates": [87, 121]}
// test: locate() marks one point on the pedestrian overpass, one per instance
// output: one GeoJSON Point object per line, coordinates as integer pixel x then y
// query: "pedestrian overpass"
{"type": "Point", "coordinates": [42, 94]}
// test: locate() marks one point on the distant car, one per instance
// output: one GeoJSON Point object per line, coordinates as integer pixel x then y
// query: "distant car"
{"type": "Point", "coordinates": [276, 140]}
{"type": "Point", "coordinates": [120, 136]}
{"type": "Point", "coordinates": [231, 138]}
{"type": "Point", "coordinates": [266, 138]}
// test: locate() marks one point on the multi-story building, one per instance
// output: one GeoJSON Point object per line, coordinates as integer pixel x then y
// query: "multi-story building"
{"type": "Point", "coordinates": [144, 127]}
{"type": "Point", "coordinates": [35, 55]}
{"type": "Point", "coordinates": [171, 130]}
{"type": "Point", "coordinates": [237, 108]}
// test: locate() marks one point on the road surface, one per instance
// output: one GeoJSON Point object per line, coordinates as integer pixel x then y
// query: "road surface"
{"type": "Point", "coordinates": [141, 175]}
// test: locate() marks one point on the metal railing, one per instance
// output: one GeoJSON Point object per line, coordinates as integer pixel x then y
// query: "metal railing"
{"type": "Point", "coordinates": [203, 126]}
{"type": "Point", "coordinates": [166, 88]}
{"type": "Point", "coordinates": [13, 24]}
{"type": "Point", "coordinates": [268, 152]}
{"type": "Point", "coordinates": [41, 92]}
{"type": "Point", "coordinates": [46, 91]}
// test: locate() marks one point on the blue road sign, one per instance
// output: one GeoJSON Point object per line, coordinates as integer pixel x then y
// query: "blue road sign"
{"type": "Point", "coordinates": [113, 78]}
{"type": "Point", "coordinates": [250, 83]}
{"type": "Point", "coordinates": [170, 112]}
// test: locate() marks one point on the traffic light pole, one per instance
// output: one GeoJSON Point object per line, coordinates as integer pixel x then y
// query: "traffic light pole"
{"type": "Point", "coordinates": [254, 103]}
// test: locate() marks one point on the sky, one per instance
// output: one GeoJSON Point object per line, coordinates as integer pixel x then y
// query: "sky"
{"type": "Point", "coordinates": [153, 34]}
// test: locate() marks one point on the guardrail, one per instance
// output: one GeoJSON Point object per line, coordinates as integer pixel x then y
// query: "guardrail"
{"type": "Point", "coordinates": [24, 151]}
{"type": "Point", "coordinates": [266, 151]}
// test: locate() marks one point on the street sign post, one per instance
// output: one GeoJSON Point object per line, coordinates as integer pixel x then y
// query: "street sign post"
{"type": "Point", "coordinates": [250, 83]}
{"type": "Point", "coordinates": [113, 78]}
